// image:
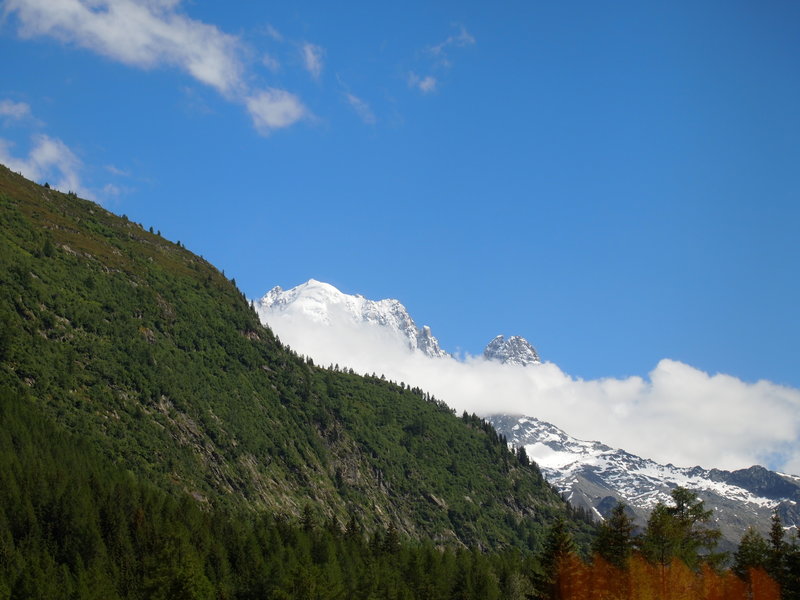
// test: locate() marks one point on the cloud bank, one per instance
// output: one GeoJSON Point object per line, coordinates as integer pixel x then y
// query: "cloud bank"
{"type": "Point", "coordinates": [150, 34]}
{"type": "Point", "coordinates": [677, 414]}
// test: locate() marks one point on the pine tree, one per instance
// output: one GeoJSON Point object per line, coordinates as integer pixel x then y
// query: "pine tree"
{"type": "Point", "coordinates": [681, 531]}
{"type": "Point", "coordinates": [391, 541]}
{"type": "Point", "coordinates": [693, 520]}
{"type": "Point", "coordinates": [753, 552]}
{"type": "Point", "coordinates": [778, 551]}
{"type": "Point", "coordinates": [558, 548]}
{"type": "Point", "coordinates": [522, 456]}
{"type": "Point", "coordinates": [614, 540]}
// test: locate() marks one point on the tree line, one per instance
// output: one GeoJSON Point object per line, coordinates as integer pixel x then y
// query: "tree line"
{"type": "Point", "coordinates": [674, 558]}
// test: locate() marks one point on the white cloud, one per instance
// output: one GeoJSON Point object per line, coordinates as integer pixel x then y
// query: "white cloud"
{"type": "Point", "coordinates": [48, 159]}
{"type": "Point", "coordinates": [676, 414]}
{"type": "Point", "coordinates": [312, 59]}
{"type": "Point", "coordinates": [142, 34]}
{"type": "Point", "coordinates": [149, 34]}
{"type": "Point", "coordinates": [14, 110]}
{"type": "Point", "coordinates": [425, 84]}
{"type": "Point", "coordinates": [362, 109]}
{"type": "Point", "coordinates": [273, 109]}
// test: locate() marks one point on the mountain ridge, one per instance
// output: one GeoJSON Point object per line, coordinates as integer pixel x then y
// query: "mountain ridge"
{"type": "Point", "coordinates": [156, 358]}
{"type": "Point", "coordinates": [596, 476]}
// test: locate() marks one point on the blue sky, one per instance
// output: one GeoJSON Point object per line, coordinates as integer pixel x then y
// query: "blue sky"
{"type": "Point", "coordinates": [617, 182]}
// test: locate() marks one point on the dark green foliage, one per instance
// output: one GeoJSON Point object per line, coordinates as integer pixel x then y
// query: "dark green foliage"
{"type": "Point", "coordinates": [558, 544]}
{"type": "Point", "coordinates": [681, 531]}
{"type": "Point", "coordinates": [74, 526]}
{"type": "Point", "coordinates": [753, 552]}
{"type": "Point", "coordinates": [614, 541]}
{"type": "Point", "coordinates": [782, 560]}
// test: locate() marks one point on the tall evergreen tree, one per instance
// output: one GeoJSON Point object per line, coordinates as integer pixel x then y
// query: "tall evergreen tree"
{"type": "Point", "coordinates": [753, 553]}
{"type": "Point", "coordinates": [558, 547]}
{"type": "Point", "coordinates": [681, 531]}
{"type": "Point", "coordinates": [614, 540]}
{"type": "Point", "coordinates": [777, 544]}
{"type": "Point", "coordinates": [790, 586]}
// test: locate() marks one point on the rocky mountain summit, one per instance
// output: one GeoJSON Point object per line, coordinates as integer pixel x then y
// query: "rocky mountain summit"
{"type": "Point", "coordinates": [596, 476]}
{"type": "Point", "coordinates": [324, 304]}
{"type": "Point", "coordinates": [514, 350]}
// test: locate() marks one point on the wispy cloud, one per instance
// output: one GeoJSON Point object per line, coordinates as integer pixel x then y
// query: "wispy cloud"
{"type": "Point", "coordinates": [437, 59]}
{"type": "Point", "coordinates": [116, 171]}
{"type": "Point", "coordinates": [461, 39]}
{"type": "Point", "coordinates": [112, 191]}
{"type": "Point", "coordinates": [362, 109]}
{"type": "Point", "coordinates": [146, 35]}
{"type": "Point", "coordinates": [426, 84]}
{"type": "Point", "coordinates": [276, 35]}
{"type": "Point", "coordinates": [272, 63]}
{"type": "Point", "coordinates": [49, 159]}
{"type": "Point", "coordinates": [676, 414]}
{"type": "Point", "coordinates": [14, 110]}
{"type": "Point", "coordinates": [312, 59]}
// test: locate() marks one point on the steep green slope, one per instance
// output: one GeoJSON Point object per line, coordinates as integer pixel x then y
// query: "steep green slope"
{"type": "Point", "coordinates": [150, 354]}
{"type": "Point", "coordinates": [73, 526]}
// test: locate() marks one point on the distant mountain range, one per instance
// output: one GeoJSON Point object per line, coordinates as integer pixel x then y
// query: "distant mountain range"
{"type": "Point", "coordinates": [591, 475]}
{"type": "Point", "coordinates": [595, 476]}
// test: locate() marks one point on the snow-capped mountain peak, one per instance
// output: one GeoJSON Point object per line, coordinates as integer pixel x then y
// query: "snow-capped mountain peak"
{"type": "Point", "coordinates": [596, 476]}
{"type": "Point", "coordinates": [323, 303]}
{"type": "Point", "coordinates": [515, 350]}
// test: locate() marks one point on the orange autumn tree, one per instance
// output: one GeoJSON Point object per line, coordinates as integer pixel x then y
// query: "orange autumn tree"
{"type": "Point", "coordinates": [674, 559]}
{"type": "Point", "coordinates": [642, 580]}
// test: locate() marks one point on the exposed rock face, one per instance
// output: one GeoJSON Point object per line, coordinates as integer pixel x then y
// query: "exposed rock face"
{"type": "Point", "coordinates": [515, 350]}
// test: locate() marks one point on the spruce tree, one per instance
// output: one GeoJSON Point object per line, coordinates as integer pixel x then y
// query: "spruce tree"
{"type": "Point", "coordinates": [557, 546]}
{"type": "Point", "coordinates": [697, 538]}
{"type": "Point", "coordinates": [681, 531]}
{"type": "Point", "coordinates": [778, 551]}
{"type": "Point", "coordinates": [614, 541]}
{"type": "Point", "coordinates": [753, 553]}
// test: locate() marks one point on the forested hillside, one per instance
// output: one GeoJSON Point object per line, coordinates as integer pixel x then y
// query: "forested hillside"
{"type": "Point", "coordinates": [156, 441]}
{"type": "Point", "coordinates": [74, 526]}
{"type": "Point", "coordinates": [155, 359]}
